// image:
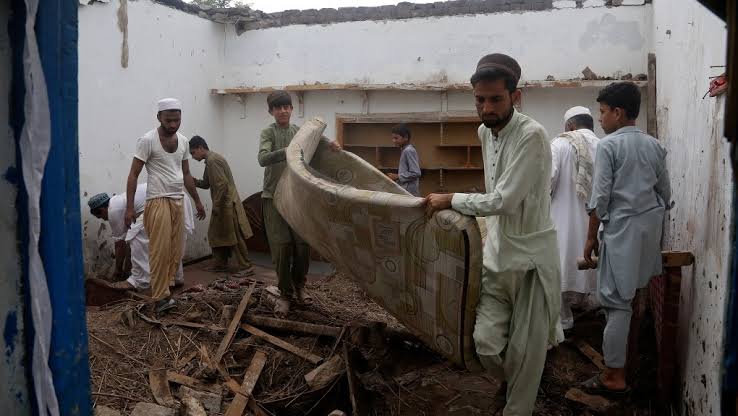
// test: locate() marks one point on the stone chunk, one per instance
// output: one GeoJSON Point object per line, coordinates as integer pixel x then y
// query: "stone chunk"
{"type": "Point", "coordinates": [150, 409]}
{"type": "Point", "coordinates": [210, 401]}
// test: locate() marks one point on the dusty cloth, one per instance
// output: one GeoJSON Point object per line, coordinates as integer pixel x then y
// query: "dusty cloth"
{"type": "Point", "coordinates": [290, 253]}
{"type": "Point", "coordinates": [229, 226]}
{"type": "Point", "coordinates": [521, 257]}
{"type": "Point", "coordinates": [409, 170]}
{"type": "Point", "coordinates": [511, 334]}
{"type": "Point", "coordinates": [569, 212]}
{"type": "Point", "coordinates": [165, 178]}
{"type": "Point", "coordinates": [274, 139]}
{"type": "Point", "coordinates": [164, 222]}
{"type": "Point", "coordinates": [582, 141]}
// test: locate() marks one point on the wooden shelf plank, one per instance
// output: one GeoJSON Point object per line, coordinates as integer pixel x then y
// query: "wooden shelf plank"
{"type": "Point", "coordinates": [459, 145]}
{"type": "Point", "coordinates": [410, 118]}
{"type": "Point", "coordinates": [369, 145]}
{"type": "Point", "coordinates": [437, 168]}
{"type": "Point", "coordinates": [440, 87]}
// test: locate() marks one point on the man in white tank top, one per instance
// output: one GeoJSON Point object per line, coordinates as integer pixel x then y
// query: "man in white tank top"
{"type": "Point", "coordinates": [165, 154]}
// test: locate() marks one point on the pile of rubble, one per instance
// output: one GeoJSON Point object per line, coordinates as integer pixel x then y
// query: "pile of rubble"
{"type": "Point", "coordinates": [222, 352]}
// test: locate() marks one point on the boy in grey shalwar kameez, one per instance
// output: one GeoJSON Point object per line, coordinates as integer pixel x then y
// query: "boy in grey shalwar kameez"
{"type": "Point", "coordinates": [630, 194]}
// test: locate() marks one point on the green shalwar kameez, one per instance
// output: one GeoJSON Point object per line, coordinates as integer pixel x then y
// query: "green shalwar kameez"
{"type": "Point", "coordinates": [520, 300]}
{"type": "Point", "coordinates": [290, 253]}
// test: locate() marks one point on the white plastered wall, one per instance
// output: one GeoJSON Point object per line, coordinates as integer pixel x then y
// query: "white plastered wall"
{"type": "Point", "coordinates": [687, 40]}
{"type": "Point", "coordinates": [611, 41]}
{"type": "Point", "coordinates": [170, 54]}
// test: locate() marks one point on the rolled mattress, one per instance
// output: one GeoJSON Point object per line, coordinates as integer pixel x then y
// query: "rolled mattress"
{"type": "Point", "coordinates": [425, 272]}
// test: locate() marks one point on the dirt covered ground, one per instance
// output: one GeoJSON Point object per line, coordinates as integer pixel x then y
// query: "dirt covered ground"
{"type": "Point", "coordinates": [393, 373]}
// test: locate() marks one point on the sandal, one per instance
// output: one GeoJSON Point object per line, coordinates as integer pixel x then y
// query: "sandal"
{"type": "Point", "coordinates": [282, 307]}
{"type": "Point", "coordinates": [247, 272]}
{"type": "Point", "coordinates": [122, 285]}
{"type": "Point", "coordinates": [303, 297]}
{"type": "Point", "coordinates": [164, 305]}
{"type": "Point", "coordinates": [595, 386]}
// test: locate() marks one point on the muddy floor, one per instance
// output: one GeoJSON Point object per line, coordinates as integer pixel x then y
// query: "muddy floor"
{"type": "Point", "coordinates": [393, 373]}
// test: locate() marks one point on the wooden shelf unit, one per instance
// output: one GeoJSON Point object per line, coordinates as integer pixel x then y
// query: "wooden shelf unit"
{"type": "Point", "coordinates": [440, 87]}
{"type": "Point", "coordinates": [450, 160]}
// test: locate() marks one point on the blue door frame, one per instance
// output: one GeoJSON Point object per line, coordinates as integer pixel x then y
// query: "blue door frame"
{"type": "Point", "coordinates": [60, 241]}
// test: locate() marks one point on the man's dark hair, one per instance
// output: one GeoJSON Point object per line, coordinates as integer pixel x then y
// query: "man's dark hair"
{"type": "Point", "coordinates": [625, 95]}
{"type": "Point", "coordinates": [494, 74]}
{"type": "Point", "coordinates": [583, 121]}
{"type": "Point", "coordinates": [402, 130]}
{"type": "Point", "coordinates": [197, 141]}
{"type": "Point", "coordinates": [278, 99]}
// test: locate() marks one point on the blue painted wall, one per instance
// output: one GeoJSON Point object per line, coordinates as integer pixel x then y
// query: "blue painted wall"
{"type": "Point", "coordinates": [61, 244]}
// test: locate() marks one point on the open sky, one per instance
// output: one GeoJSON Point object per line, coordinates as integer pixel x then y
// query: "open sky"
{"type": "Point", "coordinates": [271, 6]}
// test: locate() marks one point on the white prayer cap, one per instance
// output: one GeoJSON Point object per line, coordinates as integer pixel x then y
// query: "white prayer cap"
{"type": "Point", "coordinates": [576, 111]}
{"type": "Point", "coordinates": [169, 104]}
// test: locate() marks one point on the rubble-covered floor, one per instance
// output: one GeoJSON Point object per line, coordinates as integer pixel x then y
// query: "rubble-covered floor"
{"type": "Point", "coordinates": [394, 374]}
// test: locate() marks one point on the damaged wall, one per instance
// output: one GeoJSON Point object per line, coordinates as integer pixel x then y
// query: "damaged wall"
{"type": "Point", "coordinates": [204, 55]}
{"type": "Point", "coordinates": [688, 40]}
{"type": "Point", "coordinates": [245, 120]}
{"type": "Point", "coordinates": [169, 54]}
{"type": "Point", "coordinates": [421, 51]}
{"type": "Point", "coordinates": [436, 50]}
{"type": "Point", "coordinates": [14, 396]}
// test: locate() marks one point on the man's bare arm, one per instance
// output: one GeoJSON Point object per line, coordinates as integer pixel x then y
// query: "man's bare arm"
{"type": "Point", "coordinates": [189, 183]}
{"type": "Point", "coordinates": [136, 167]}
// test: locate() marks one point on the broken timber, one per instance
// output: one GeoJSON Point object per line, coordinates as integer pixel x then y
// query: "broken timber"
{"type": "Point", "coordinates": [325, 373]}
{"type": "Point", "coordinates": [233, 326]}
{"type": "Point", "coordinates": [241, 400]}
{"type": "Point", "coordinates": [160, 387]}
{"type": "Point", "coordinates": [351, 380]}
{"type": "Point", "coordinates": [597, 403]}
{"type": "Point", "coordinates": [301, 327]}
{"type": "Point", "coordinates": [592, 354]}
{"type": "Point", "coordinates": [192, 382]}
{"type": "Point", "coordinates": [282, 344]}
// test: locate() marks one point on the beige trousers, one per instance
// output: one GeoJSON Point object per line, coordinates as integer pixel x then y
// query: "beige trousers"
{"type": "Point", "coordinates": [164, 223]}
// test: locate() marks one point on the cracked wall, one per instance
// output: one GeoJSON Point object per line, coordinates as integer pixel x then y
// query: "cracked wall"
{"type": "Point", "coordinates": [168, 54]}
{"type": "Point", "coordinates": [687, 40]}
{"type": "Point", "coordinates": [14, 395]}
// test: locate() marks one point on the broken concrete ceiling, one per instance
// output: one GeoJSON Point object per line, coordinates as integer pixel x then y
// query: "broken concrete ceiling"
{"type": "Point", "coordinates": [246, 18]}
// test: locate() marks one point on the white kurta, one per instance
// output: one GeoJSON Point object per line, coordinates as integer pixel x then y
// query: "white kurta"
{"type": "Point", "coordinates": [519, 302]}
{"type": "Point", "coordinates": [137, 238]}
{"type": "Point", "coordinates": [569, 213]}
